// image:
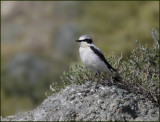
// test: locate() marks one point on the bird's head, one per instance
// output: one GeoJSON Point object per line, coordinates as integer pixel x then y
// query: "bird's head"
{"type": "Point", "coordinates": [85, 40]}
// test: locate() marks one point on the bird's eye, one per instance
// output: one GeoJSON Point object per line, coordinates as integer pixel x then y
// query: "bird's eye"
{"type": "Point", "coordinates": [88, 41]}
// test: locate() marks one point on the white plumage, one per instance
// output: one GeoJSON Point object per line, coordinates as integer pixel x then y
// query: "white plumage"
{"type": "Point", "coordinates": [91, 60]}
{"type": "Point", "coordinates": [92, 56]}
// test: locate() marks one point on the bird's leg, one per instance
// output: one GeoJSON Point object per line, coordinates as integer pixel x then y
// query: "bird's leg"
{"type": "Point", "coordinates": [92, 77]}
{"type": "Point", "coordinates": [98, 78]}
{"type": "Point", "coordinates": [95, 75]}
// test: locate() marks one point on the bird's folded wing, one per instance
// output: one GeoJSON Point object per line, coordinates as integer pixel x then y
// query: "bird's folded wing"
{"type": "Point", "coordinates": [101, 56]}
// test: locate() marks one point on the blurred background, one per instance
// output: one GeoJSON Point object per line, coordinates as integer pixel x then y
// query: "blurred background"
{"type": "Point", "coordinates": [38, 41]}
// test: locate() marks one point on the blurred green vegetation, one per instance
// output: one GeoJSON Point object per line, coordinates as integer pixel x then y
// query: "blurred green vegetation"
{"type": "Point", "coordinates": [116, 25]}
{"type": "Point", "coordinates": [42, 28]}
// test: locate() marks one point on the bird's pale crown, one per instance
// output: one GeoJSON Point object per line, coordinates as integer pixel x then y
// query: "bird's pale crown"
{"type": "Point", "coordinates": [83, 37]}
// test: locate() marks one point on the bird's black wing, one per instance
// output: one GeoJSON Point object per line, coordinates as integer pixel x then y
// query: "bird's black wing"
{"type": "Point", "coordinates": [101, 56]}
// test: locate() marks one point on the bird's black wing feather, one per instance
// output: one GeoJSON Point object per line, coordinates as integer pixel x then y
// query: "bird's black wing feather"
{"type": "Point", "coordinates": [101, 56]}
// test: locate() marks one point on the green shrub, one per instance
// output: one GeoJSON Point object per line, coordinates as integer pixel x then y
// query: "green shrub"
{"type": "Point", "coordinates": [139, 72]}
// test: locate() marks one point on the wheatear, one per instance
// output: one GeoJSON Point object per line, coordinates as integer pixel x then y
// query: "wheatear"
{"type": "Point", "coordinates": [93, 57]}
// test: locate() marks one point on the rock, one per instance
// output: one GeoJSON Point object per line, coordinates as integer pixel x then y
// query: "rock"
{"type": "Point", "coordinates": [78, 102]}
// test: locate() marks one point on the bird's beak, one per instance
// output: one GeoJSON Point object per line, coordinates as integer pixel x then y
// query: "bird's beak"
{"type": "Point", "coordinates": [78, 40]}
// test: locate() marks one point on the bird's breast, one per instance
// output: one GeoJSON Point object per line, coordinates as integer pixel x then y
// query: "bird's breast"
{"type": "Point", "coordinates": [91, 60]}
{"type": "Point", "coordinates": [87, 56]}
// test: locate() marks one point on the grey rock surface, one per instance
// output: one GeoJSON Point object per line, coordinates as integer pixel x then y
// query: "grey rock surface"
{"type": "Point", "coordinates": [87, 103]}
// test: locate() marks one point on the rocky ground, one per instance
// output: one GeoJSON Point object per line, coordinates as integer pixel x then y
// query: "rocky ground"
{"type": "Point", "coordinates": [87, 103]}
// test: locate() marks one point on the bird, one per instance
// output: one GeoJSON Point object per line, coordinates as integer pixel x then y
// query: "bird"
{"type": "Point", "coordinates": [93, 57]}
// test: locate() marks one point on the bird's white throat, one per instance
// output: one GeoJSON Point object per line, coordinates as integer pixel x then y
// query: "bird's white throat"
{"type": "Point", "coordinates": [85, 44]}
